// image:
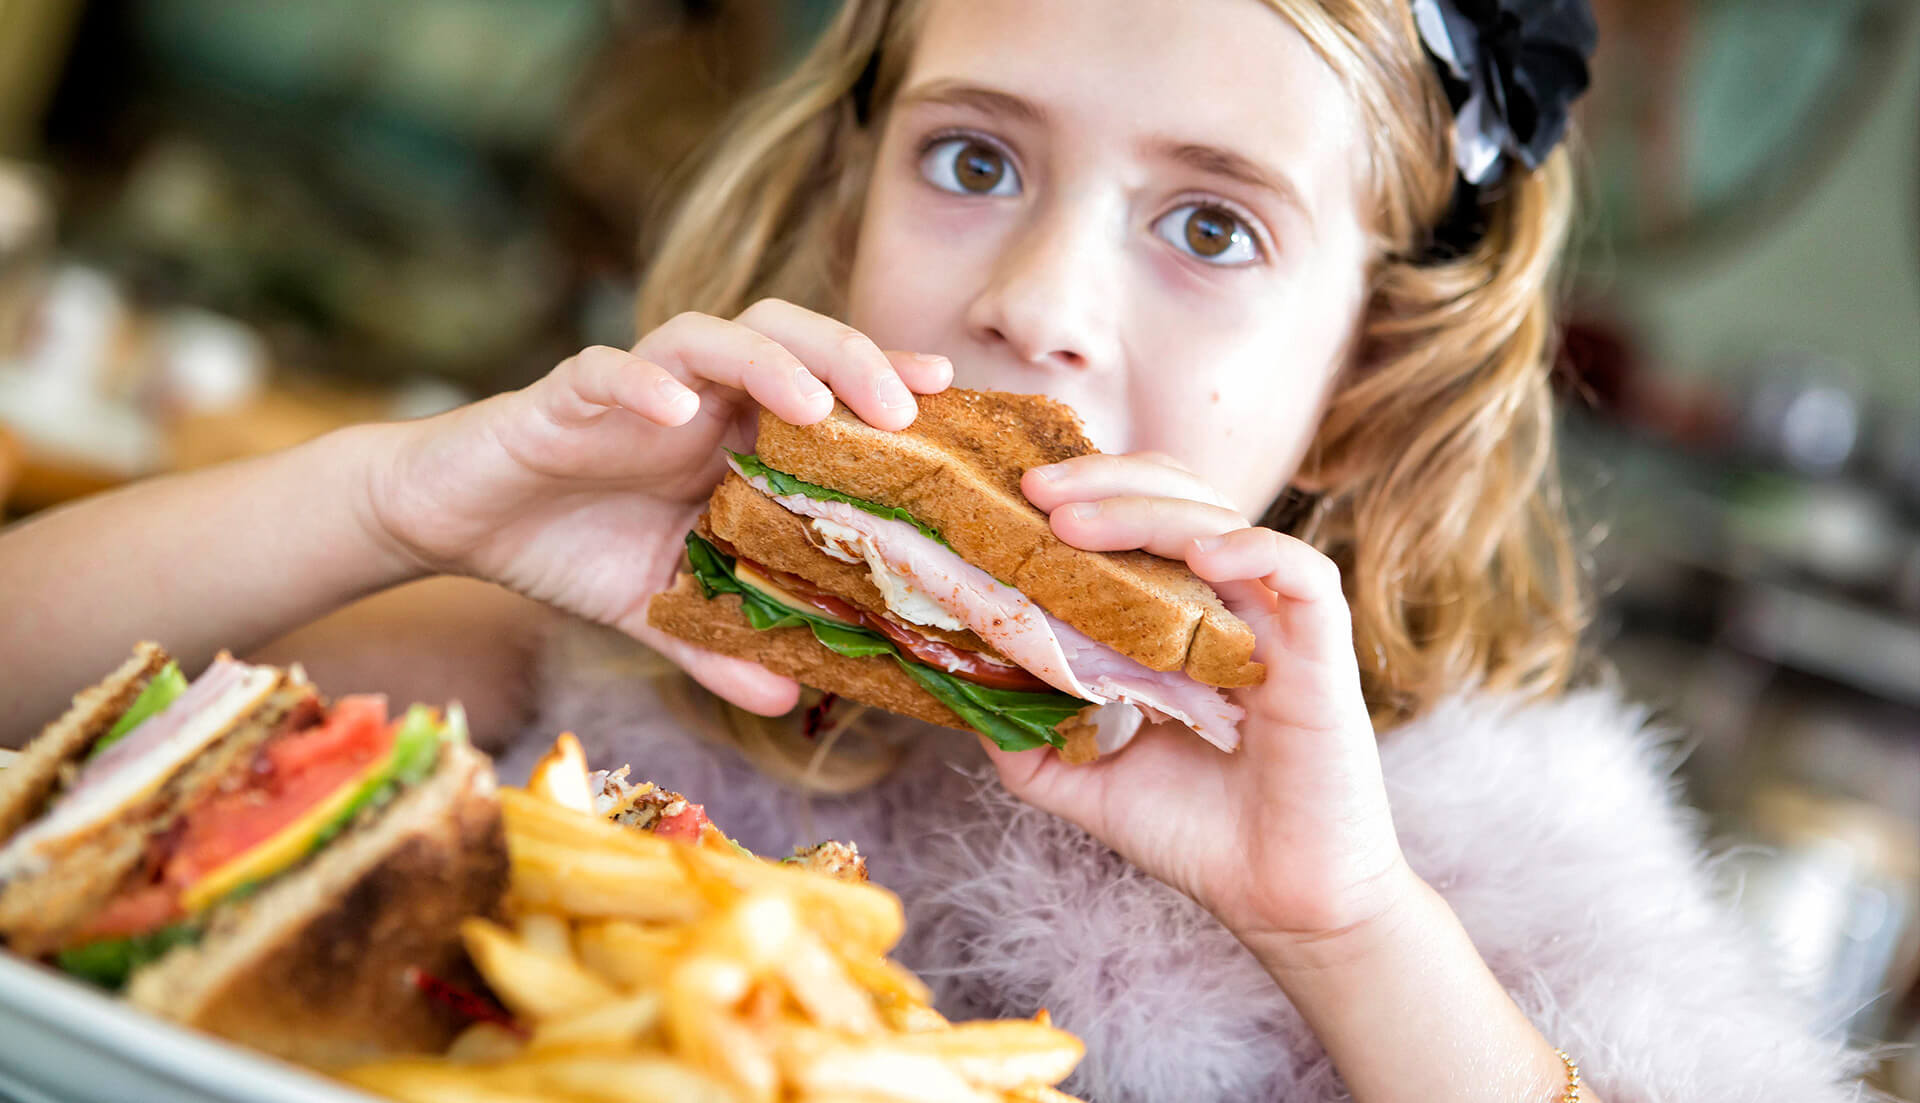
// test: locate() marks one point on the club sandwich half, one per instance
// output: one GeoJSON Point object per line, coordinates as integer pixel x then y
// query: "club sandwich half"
{"type": "Point", "coordinates": [908, 571]}
{"type": "Point", "coordinates": [240, 855]}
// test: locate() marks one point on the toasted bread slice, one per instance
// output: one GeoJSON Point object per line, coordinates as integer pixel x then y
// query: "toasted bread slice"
{"type": "Point", "coordinates": [41, 912]}
{"type": "Point", "coordinates": [755, 527]}
{"type": "Point", "coordinates": [719, 625]}
{"type": "Point", "coordinates": [28, 784]}
{"type": "Point", "coordinates": [313, 968]}
{"type": "Point", "coordinates": [958, 470]}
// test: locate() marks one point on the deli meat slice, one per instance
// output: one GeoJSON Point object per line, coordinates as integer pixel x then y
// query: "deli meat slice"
{"type": "Point", "coordinates": [1007, 619]}
{"type": "Point", "coordinates": [144, 759]}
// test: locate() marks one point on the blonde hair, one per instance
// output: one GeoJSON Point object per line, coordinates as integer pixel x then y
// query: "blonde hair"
{"type": "Point", "coordinates": [1431, 481]}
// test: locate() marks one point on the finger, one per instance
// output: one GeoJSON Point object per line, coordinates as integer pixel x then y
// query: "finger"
{"type": "Point", "coordinates": [598, 379]}
{"type": "Point", "coordinates": [923, 372]}
{"type": "Point", "coordinates": [1088, 478]}
{"type": "Point", "coordinates": [847, 360]}
{"type": "Point", "coordinates": [704, 347]}
{"type": "Point", "coordinates": [1292, 568]}
{"type": "Point", "coordinates": [1164, 526]}
{"type": "Point", "coordinates": [751, 686]}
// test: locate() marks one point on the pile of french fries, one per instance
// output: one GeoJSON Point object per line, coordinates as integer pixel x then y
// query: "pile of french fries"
{"type": "Point", "coordinates": [639, 969]}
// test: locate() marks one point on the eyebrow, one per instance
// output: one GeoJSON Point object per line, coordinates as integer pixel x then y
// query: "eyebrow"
{"type": "Point", "coordinates": [989, 101]}
{"type": "Point", "coordinates": [1228, 165]}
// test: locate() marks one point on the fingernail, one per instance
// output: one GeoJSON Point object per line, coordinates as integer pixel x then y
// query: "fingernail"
{"type": "Point", "coordinates": [675, 392]}
{"type": "Point", "coordinates": [811, 388]}
{"type": "Point", "coordinates": [1051, 473]}
{"type": "Point", "coordinates": [1086, 511]}
{"type": "Point", "coordinates": [1209, 543]}
{"type": "Point", "coordinates": [893, 394]}
{"type": "Point", "coordinates": [928, 359]}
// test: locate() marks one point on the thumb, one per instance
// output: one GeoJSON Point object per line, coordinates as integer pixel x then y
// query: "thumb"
{"type": "Point", "coordinates": [1039, 778]}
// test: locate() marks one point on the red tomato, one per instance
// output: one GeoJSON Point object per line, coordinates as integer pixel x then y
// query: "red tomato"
{"type": "Point", "coordinates": [685, 825]}
{"type": "Point", "coordinates": [146, 908]}
{"type": "Point", "coordinates": [293, 773]}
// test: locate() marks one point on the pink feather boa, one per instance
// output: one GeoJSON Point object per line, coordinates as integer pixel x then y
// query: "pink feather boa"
{"type": "Point", "coordinates": [1553, 829]}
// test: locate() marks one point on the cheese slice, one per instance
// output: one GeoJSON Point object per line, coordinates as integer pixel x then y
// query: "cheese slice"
{"type": "Point", "coordinates": [774, 590]}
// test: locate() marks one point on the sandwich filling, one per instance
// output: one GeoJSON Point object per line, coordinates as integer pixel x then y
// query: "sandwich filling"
{"type": "Point", "coordinates": [1016, 719]}
{"type": "Point", "coordinates": [907, 558]}
{"type": "Point", "coordinates": [299, 789]}
{"type": "Point", "coordinates": [181, 722]}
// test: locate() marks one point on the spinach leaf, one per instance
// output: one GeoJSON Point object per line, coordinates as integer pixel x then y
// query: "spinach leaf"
{"type": "Point", "coordinates": [1016, 720]}
{"type": "Point", "coordinates": [783, 483]}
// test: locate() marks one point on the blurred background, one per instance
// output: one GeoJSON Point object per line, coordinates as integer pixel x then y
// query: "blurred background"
{"type": "Point", "coordinates": [226, 227]}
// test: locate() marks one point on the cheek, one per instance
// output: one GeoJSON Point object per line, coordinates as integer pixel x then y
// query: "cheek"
{"type": "Point", "coordinates": [915, 265]}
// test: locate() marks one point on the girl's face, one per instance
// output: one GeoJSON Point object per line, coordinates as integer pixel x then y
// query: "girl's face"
{"type": "Point", "coordinates": [1149, 210]}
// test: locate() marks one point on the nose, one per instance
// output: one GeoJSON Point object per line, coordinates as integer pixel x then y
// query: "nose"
{"type": "Point", "coordinates": [1051, 297]}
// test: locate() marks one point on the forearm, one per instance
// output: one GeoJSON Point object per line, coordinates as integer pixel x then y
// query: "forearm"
{"type": "Point", "coordinates": [1410, 1012]}
{"type": "Point", "coordinates": [229, 557]}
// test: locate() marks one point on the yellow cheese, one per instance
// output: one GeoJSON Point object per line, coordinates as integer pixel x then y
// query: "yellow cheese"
{"type": "Point", "coordinates": [277, 852]}
{"type": "Point", "coordinates": [772, 589]}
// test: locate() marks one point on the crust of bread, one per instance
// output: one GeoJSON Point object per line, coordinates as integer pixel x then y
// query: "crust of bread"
{"type": "Point", "coordinates": [40, 913]}
{"type": "Point", "coordinates": [26, 785]}
{"type": "Point", "coordinates": [719, 625]}
{"type": "Point", "coordinates": [958, 470]}
{"type": "Point", "coordinates": [314, 968]}
{"type": "Point", "coordinates": [760, 530]}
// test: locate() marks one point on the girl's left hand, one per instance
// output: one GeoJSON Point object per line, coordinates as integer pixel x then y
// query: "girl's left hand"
{"type": "Point", "coordinates": [1290, 838]}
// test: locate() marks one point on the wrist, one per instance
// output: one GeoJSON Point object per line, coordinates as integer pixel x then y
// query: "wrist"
{"type": "Point", "coordinates": [365, 458]}
{"type": "Point", "coordinates": [1404, 912]}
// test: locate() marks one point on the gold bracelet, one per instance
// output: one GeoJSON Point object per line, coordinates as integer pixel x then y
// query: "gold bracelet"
{"type": "Point", "coordinates": [1573, 1078]}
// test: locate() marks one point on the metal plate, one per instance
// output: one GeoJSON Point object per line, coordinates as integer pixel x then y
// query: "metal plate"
{"type": "Point", "coordinates": [63, 1042]}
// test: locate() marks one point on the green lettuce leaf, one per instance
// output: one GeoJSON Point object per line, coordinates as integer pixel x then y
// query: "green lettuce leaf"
{"type": "Point", "coordinates": [714, 572]}
{"type": "Point", "coordinates": [110, 961]}
{"type": "Point", "coordinates": [1016, 720]}
{"type": "Point", "coordinates": [158, 694]}
{"type": "Point", "coordinates": [783, 483]}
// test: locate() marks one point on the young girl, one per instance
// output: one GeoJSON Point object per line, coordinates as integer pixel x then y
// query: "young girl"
{"type": "Point", "coordinates": [1280, 277]}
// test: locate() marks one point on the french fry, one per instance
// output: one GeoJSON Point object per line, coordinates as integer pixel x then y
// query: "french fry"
{"type": "Point", "coordinates": [701, 1027]}
{"type": "Point", "coordinates": [425, 1080]}
{"type": "Point", "coordinates": [596, 883]}
{"type": "Point", "coordinates": [588, 1079]}
{"type": "Point", "coordinates": [485, 1042]}
{"type": "Point", "coordinates": [631, 954]}
{"type": "Point", "coordinates": [885, 978]}
{"type": "Point", "coordinates": [1039, 1093]}
{"type": "Point", "coordinates": [867, 916]}
{"type": "Point", "coordinates": [820, 1065]}
{"type": "Point", "coordinates": [912, 1018]}
{"type": "Point", "coordinates": [532, 984]}
{"type": "Point", "coordinates": [648, 970]}
{"type": "Point", "coordinates": [544, 932]}
{"type": "Point", "coordinates": [604, 1027]}
{"type": "Point", "coordinates": [756, 931]}
{"type": "Point", "coordinates": [560, 777]}
{"type": "Point", "coordinates": [823, 989]}
{"type": "Point", "coordinates": [1005, 1054]}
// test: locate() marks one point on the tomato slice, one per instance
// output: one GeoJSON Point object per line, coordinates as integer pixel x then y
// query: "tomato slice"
{"type": "Point", "coordinates": [685, 825]}
{"type": "Point", "coordinates": [147, 908]}
{"type": "Point", "coordinates": [292, 774]}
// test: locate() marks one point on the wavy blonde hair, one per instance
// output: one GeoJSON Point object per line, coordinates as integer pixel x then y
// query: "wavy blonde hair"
{"type": "Point", "coordinates": [1431, 480]}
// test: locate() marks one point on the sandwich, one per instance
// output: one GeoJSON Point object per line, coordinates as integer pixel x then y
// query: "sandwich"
{"type": "Point", "coordinates": [240, 855]}
{"type": "Point", "coordinates": [907, 571]}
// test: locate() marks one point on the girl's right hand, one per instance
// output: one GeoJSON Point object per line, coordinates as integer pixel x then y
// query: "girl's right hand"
{"type": "Point", "coordinates": [578, 490]}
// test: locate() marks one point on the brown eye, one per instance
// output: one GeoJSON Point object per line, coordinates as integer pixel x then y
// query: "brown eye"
{"type": "Point", "coordinates": [968, 166]}
{"type": "Point", "coordinates": [1213, 234]}
{"type": "Point", "coordinates": [1209, 232]}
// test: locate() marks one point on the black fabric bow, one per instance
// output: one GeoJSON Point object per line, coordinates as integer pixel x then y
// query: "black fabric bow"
{"type": "Point", "coordinates": [1511, 69]}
